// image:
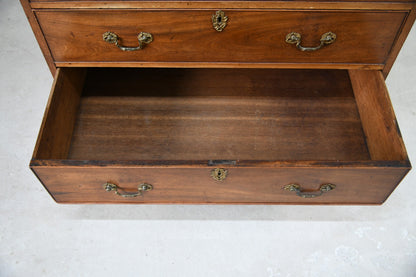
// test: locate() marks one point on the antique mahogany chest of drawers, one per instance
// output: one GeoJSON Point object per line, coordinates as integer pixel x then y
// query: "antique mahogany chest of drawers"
{"type": "Point", "coordinates": [279, 102]}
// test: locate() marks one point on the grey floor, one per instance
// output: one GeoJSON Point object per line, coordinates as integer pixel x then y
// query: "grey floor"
{"type": "Point", "coordinates": [41, 238]}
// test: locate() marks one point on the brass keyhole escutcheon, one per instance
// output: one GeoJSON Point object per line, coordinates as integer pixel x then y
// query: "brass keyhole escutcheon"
{"type": "Point", "coordinates": [219, 174]}
{"type": "Point", "coordinates": [219, 20]}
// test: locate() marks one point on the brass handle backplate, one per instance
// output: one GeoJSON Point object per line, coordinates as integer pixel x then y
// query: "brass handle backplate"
{"type": "Point", "coordinates": [322, 189]}
{"type": "Point", "coordinates": [296, 38]}
{"type": "Point", "coordinates": [142, 37]}
{"type": "Point", "coordinates": [142, 187]}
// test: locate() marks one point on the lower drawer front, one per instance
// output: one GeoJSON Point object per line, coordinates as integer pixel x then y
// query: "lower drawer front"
{"type": "Point", "coordinates": [249, 37]}
{"type": "Point", "coordinates": [242, 185]}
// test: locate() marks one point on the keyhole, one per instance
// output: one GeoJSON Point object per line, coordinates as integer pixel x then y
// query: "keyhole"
{"type": "Point", "coordinates": [219, 174]}
{"type": "Point", "coordinates": [219, 19]}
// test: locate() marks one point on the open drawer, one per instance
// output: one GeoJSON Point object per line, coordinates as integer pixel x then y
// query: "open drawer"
{"type": "Point", "coordinates": [144, 135]}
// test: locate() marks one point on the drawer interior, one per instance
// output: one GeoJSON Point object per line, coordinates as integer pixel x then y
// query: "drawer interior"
{"type": "Point", "coordinates": [159, 114]}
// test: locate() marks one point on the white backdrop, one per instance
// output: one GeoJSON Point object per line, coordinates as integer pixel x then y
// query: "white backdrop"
{"type": "Point", "coordinates": [41, 238]}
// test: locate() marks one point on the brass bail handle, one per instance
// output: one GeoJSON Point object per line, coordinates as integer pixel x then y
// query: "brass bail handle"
{"type": "Point", "coordinates": [296, 38]}
{"type": "Point", "coordinates": [142, 37]}
{"type": "Point", "coordinates": [142, 187]}
{"type": "Point", "coordinates": [322, 189]}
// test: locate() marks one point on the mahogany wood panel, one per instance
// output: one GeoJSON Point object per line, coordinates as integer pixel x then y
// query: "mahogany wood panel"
{"type": "Point", "coordinates": [188, 36]}
{"type": "Point", "coordinates": [203, 1]}
{"type": "Point", "coordinates": [171, 82]}
{"type": "Point", "coordinates": [215, 5]}
{"type": "Point", "coordinates": [379, 122]}
{"type": "Point", "coordinates": [58, 122]}
{"type": "Point", "coordinates": [38, 34]}
{"type": "Point", "coordinates": [222, 65]}
{"type": "Point", "coordinates": [218, 114]}
{"type": "Point", "coordinates": [401, 37]}
{"type": "Point", "coordinates": [243, 185]}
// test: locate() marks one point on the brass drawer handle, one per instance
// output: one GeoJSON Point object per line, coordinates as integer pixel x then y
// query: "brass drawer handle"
{"type": "Point", "coordinates": [296, 38]}
{"type": "Point", "coordinates": [322, 189]}
{"type": "Point", "coordinates": [142, 187]}
{"type": "Point", "coordinates": [142, 37]}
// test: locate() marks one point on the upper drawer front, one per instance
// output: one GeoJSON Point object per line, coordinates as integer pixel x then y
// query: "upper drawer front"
{"type": "Point", "coordinates": [249, 37]}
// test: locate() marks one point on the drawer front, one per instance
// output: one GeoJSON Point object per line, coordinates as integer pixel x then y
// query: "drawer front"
{"type": "Point", "coordinates": [241, 185]}
{"type": "Point", "coordinates": [249, 37]}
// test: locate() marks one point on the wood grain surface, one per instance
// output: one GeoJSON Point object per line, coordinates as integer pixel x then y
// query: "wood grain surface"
{"type": "Point", "coordinates": [75, 2]}
{"type": "Point", "coordinates": [38, 34]}
{"type": "Point", "coordinates": [58, 122]}
{"type": "Point", "coordinates": [228, 4]}
{"type": "Point", "coordinates": [222, 65]}
{"type": "Point", "coordinates": [401, 37]}
{"type": "Point", "coordinates": [251, 36]}
{"type": "Point", "coordinates": [242, 185]}
{"type": "Point", "coordinates": [379, 122]}
{"type": "Point", "coordinates": [171, 127]}
{"type": "Point", "coordinates": [218, 114]}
